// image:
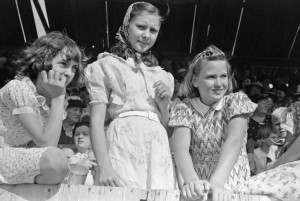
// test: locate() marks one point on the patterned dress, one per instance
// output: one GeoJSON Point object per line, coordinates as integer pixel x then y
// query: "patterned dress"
{"type": "Point", "coordinates": [19, 165]}
{"type": "Point", "coordinates": [209, 131]}
{"type": "Point", "coordinates": [138, 147]}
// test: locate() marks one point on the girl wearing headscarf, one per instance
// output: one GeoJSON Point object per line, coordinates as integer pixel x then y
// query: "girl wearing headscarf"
{"type": "Point", "coordinates": [136, 92]}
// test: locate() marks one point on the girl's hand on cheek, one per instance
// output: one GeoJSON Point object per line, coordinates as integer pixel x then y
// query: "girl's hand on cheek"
{"type": "Point", "coordinates": [54, 83]}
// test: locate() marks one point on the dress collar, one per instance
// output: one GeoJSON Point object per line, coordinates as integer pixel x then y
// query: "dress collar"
{"type": "Point", "coordinates": [203, 109]}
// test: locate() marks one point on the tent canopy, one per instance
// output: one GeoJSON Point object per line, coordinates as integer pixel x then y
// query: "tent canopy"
{"type": "Point", "coordinates": [258, 32]}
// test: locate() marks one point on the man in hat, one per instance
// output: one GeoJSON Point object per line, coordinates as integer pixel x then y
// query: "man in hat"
{"type": "Point", "coordinates": [74, 110]}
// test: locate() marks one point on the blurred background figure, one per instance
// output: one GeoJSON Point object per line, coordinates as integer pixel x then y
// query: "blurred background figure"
{"type": "Point", "coordinates": [266, 152]}
{"type": "Point", "coordinates": [82, 155]}
{"type": "Point", "coordinates": [261, 116]}
{"type": "Point", "coordinates": [254, 88]}
{"type": "Point", "coordinates": [284, 97]}
{"type": "Point", "coordinates": [73, 113]}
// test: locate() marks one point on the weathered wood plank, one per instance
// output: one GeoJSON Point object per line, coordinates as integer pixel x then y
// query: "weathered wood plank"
{"type": "Point", "coordinates": [66, 192]}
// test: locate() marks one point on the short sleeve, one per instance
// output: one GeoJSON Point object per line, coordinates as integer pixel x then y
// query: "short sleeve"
{"type": "Point", "coordinates": [181, 115]}
{"type": "Point", "coordinates": [239, 104]}
{"type": "Point", "coordinates": [19, 97]}
{"type": "Point", "coordinates": [97, 83]}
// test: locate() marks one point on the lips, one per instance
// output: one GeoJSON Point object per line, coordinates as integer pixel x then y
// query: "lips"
{"type": "Point", "coordinates": [143, 43]}
{"type": "Point", "coordinates": [218, 90]}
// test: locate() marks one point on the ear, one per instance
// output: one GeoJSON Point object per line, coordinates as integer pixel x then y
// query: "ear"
{"type": "Point", "coordinates": [194, 81]}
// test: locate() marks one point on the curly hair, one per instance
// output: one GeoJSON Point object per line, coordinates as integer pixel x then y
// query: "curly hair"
{"type": "Point", "coordinates": [211, 53]}
{"type": "Point", "coordinates": [40, 54]}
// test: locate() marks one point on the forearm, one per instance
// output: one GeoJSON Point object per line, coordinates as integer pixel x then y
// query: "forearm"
{"type": "Point", "coordinates": [165, 121]}
{"type": "Point", "coordinates": [228, 157]}
{"type": "Point", "coordinates": [99, 145]}
{"type": "Point", "coordinates": [98, 138]}
{"type": "Point", "coordinates": [185, 165]}
{"type": "Point", "coordinates": [52, 130]}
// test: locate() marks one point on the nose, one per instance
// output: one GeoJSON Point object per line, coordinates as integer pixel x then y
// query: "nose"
{"type": "Point", "coordinates": [68, 72]}
{"type": "Point", "coordinates": [78, 112]}
{"type": "Point", "coordinates": [146, 34]}
{"type": "Point", "coordinates": [218, 82]}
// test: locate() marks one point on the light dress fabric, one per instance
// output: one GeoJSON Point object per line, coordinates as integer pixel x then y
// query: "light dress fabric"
{"type": "Point", "coordinates": [19, 164]}
{"type": "Point", "coordinates": [208, 133]}
{"type": "Point", "coordinates": [76, 158]}
{"type": "Point", "coordinates": [138, 147]}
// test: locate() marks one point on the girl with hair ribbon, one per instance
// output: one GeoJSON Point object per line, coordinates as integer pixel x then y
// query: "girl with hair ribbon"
{"type": "Point", "coordinates": [136, 92]}
{"type": "Point", "coordinates": [210, 135]}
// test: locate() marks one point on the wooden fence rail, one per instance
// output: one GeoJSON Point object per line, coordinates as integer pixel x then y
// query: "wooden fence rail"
{"type": "Point", "coordinates": [65, 192]}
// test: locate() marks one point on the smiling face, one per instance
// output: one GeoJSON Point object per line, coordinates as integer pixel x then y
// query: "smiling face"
{"type": "Point", "coordinates": [82, 138]}
{"type": "Point", "coordinates": [143, 31]}
{"type": "Point", "coordinates": [65, 67]}
{"type": "Point", "coordinates": [212, 81]}
{"type": "Point", "coordinates": [271, 140]}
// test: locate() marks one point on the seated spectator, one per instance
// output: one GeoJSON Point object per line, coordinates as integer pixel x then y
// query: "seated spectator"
{"type": "Point", "coordinates": [261, 116]}
{"type": "Point", "coordinates": [244, 82]}
{"type": "Point", "coordinates": [284, 97]}
{"type": "Point", "coordinates": [266, 152]}
{"type": "Point", "coordinates": [74, 110]}
{"type": "Point", "coordinates": [254, 88]}
{"type": "Point", "coordinates": [31, 109]}
{"type": "Point", "coordinates": [282, 125]}
{"type": "Point", "coordinates": [267, 83]}
{"type": "Point", "coordinates": [82, 154]}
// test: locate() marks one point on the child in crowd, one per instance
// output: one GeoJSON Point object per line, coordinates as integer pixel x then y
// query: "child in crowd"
{"type": "Point", "coordinates": [74, 110]}
{"type": "Point", "coordinates": [82, 155]}
{"type": "Point", "coordinates": [32, 107]}
{"type": "Point", "coordinates": [292, 144]}
{"type": "Point", "coordinates": [136, 92]}
{"type": "Point", "coordinates": [267, 152]}
{"type": "Point", "coordinates": [210, 134]}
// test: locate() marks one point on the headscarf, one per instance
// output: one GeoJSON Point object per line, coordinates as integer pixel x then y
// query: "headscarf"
{"type": "Point", "coordinates": [122, 36]}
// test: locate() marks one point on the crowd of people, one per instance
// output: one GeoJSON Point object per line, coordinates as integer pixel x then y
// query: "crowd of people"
{"type": "Point", "coordinates": [133, 120]}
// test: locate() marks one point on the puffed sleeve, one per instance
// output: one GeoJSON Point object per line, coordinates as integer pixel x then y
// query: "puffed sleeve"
{"type": "Point", "coordinates": [97, 83]}
{"type": "Point", "coordinates": [181, 115]}
{"type": "Point", "coordinates": [19, 97]}
{"type": "Point", "coordinates": [239, 104]}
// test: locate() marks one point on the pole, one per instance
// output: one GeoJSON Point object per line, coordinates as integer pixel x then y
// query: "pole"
{"type": "Point", "coordinates": [20, 19]}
